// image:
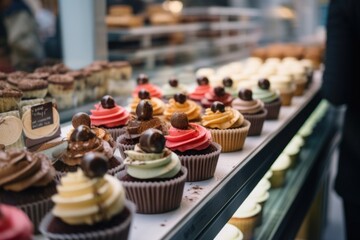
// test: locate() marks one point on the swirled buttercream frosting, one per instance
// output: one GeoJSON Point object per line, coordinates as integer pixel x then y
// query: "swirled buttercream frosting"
{"type": "Point", "coordinates": [189, 107]}
{"type": "Point", "coordinates": [230, 118]}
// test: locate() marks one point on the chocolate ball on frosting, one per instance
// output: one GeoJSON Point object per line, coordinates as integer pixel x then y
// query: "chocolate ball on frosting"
{"type": "Point", "coordinates": [228, 82]}
{"type": "Point", "coordinates": [219, 91]}
{"type": "Point", "coordinates": [107, 102]}
{"type": "Point", "coordinates": [142, 79]}
{"type": "Point", "coordinates": [81, 118]}
{"type": "Point", "coordinates": [144, 94]}
{"type": "Point", "coordinates": [264, 83]}
{"type": "Point", "coordinates": [144, 110]}
{"type": "Point", "coordinates": [179, 120]}
{"type": "Point", "coordinates": [94, 164]}
{"type": "Point", "coordinates": [217, 106]}
{"type": "Point", "coordinates": [82, 133]}
{"type": "Point", "coordinates": [173, 82]}
{"type": "Point", "coordinates": [245, 94]}
{"type": "Point", "coordinates": [202, 80]}
{"type": "Point", "coordinates": [152, 141]}
{"type": "Point", "coordinates": [180, 98]}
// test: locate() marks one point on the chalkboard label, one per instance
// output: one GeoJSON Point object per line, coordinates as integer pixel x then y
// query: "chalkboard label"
{"type": "Point", "coordinates": [42, 115]}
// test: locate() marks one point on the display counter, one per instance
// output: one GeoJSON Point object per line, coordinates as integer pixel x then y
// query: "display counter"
{"type": "Point", "coordinates": [207, 205]}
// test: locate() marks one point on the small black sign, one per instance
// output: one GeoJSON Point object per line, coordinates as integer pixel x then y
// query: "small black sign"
{"type": "Point", "coordinates": [42, 115]}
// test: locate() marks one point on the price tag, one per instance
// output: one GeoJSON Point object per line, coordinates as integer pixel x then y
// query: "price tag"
{"type": "Point", "coordinates": [42, 115]}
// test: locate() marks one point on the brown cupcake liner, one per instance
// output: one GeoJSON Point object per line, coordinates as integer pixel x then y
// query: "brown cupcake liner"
{"type": "Point", "coordinates": [201, 167]}
{"type": "Point", "coordinates": [257, 122]}
{"type": "Point", "coordinates": [273, 109]}
{"type": "Point", "coordinates": [37, 210]}
{"type": "Point", "coordinates": [112, 171]}
{"type": "Point", "coordinates": [300, 88]}
{"type": "Point", "coordinates": [155, 197]}
{"type": "Point", "coordinates": [245, 225]}
{"type": "Point", "coordinates": [120, 231]}
{"type": "Point", "coordinates": [231, 139]}
{"type": "Point", "coordinates": [123, 147]}
{"type": "Point", "coordinates": [116, 132]}
{"type": "Point", "coordinates": [277, 180]}
{"type": "Point", "coordinates": [286, 98]}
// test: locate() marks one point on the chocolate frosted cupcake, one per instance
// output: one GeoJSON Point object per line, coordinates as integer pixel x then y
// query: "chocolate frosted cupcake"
{"type": "Point", "coordinates": [61, 87]}
{"type": "Point", "coordinates": [110, 116]}
{"type": "Point", "coordinates": [90, 204]}
{"type": "Point", "coordinates": [202, 88]}
{"type": "Point", "coordinates": [60, 68]}
{"type": "Point", "coordinates": [27, 182]}
{"type": "Point", "coordinates": [180, 103]}
{"type": "Point", "coordinates": [80, 84]}
{"type": "Point", "coordinates": [38, 75]}
{"type": "Point", "coordinates": [193, 144]}
{"type": "Point", "coordinates": [253, 110]}
{"type": "Point", "coordinates": [9, 99]}
{"type": "Point", "coordinates": [156, 103]}
{"type": "Point", "coordinates": [173, 87]}
{"type": "Point", "coordinates": [15, 77]}
{"type": "Point", "coordinates": [217, 94]}
{"type": "Point", "coordinates": [33, 88]}
{"type": "Point", "coordinates": [227, 126]}
{"type": "Point", "coordinates": [154, 178]}
{"type": "Point", "coordinates": [83, 140]}
{"type": "Point", "coordinates": [136, 127]}
{"type": "Point", "coordinates": [269, 97]}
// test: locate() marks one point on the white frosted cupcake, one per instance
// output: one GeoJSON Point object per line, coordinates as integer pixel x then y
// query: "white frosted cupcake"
{"type": "Point", "coordinates": [205, 72]}
{"type": "Point", "coordinates": [229, 232]}
{"type": "Point", "coordinates": [279, 169]}
{"type": "Point", "coordinates": [285, 85]}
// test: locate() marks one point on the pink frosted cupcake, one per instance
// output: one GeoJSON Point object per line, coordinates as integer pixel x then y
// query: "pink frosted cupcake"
{"type": "Point", "coordinates": [216, 94]}
{"type": "Point", "coordinates": [253, 110]}
{"type": "Point", "coordinates": [154, 178]}
{"type": "Point", "coordinates": [110, 116]}
{"type": "Point", "coordinates": [143, 83]}
{"type": "Point", "coordinates": [202, 88]}
{"type": "Point", "coordinates": [157, 104]}
{"type": "Point", "coordinates": [193, 144]}
{"type": "Point", "coordinates": [14, 224]}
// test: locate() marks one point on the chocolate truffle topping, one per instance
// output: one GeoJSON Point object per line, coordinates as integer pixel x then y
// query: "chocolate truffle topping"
{"type": "Point", "coordinates": [144, 110]}
{"type": "Point", "coordinates": [179, 120]}
{"type": "Point", "coordinates": [263, 83]}
{"type": "Point", "coordinates": [173, 82]}
{"type": "Point", "coordinates": [142, 79]}
{"type": "Point", "coordinates": [81, 118]}
{"type": "Point", "coordinates": [180, 98]}
{"type": "Point", "coordinates": [202, 80]}
{"type": "Point", "coordinates": [144, 94]}
{"type": "Point", "coordinates": [107, 102]}
{"type": "Point", "coordinates": [152, 141]}
{"type": "Point", "coordinates": [217, 106]}
{"type": "Point", "coordinates": [82, 133]}
{"type": "Point", "coordinates": [94, 164]}
{"type": "Point", "coordinates": [219, 91]}
{"type": "Point", "coordinates": [245, 94]}
{"type": "Point", "coordinates": [228, 82]}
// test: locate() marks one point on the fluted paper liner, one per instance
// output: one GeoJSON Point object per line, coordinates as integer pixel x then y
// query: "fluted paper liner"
{"type": "Point", "coordinates": [120, 231]}
{"type": "Point", "coordinates": [300, 88]}
{"type": "Point", "coordinates": [246, 225]}
{"type": "Point", "coordinates": [257, 122]}
{"type": "Point", "coordinates": [286, 98]}
{"type": "Point", "coordinates": [231, 139]}
{"type": "Point", "coordinates": [116, 132]}
{"type": "Point", "coordinates": [277, 180]}
{"type": "Point", "coordinates": [273, 109]}
{"type": "Point", "coordinates": [201, 167]}
{"type": "Point", "coordinates": [123, 147]}
{"type": "Point", "coordinates": [155, 197]}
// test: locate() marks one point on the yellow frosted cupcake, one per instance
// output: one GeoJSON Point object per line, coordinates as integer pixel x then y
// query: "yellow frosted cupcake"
{"type": "Point", "coordinates": [227, 126]}
{"type": "Point", "coordinates": [180, 103]}
{"type": "Point", "coordinates": [156, 103]}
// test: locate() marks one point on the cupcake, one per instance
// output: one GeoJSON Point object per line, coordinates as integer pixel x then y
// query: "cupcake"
{"type": "Point", "coordinates": [60, 68]}
{"type": "Point", "coordinates": [45, 69]}
{"type": "Point", "coordinates": [292, 150]}
{"type": "Point", "coordinates": [285, 86]}
{"type": "Point", "coordinates": [269, 97]}
{"type": "Point", "coordinates": [110, 116]}
{"type": "Point", "coordinates": [300, 79]}
{"type": "Point", "coordinates": [193, 144]}
{"type": "Point", "coordinates": [80, 85]}
{"type": "Point", "coordinates": [202, 88]}
{"type": "Point", "coordinates": [33, 88]}
{"type": "Point", "coordinates": [217, 94]}
{"type": "Point", "coordinates": [143, 83]}
{"type": "Point", "coordinates": [227, 126]}
{"type": "Point", "coordinates": [173, 87]}
{"type": "Point", "coordinates": [180, 103]}
{"type": "Point", "coordinates": [229, 86]}
{"type": "Point", "coordinates": [11, 130]}
{"type": "Point", "coordinates": [61, 88]}
{"type": "Point", "coordinates": [27, 182]}
{"type": "Point", "coordinates": [260, 194]}
{"type": "Point", "coordinates": [15, 77]}
{"type": "Point", "coordinates": [144, 120]}
{"type": "Point", "coordinates": [154, 178]}
{"type": "Point", "coordinates": [14, 224]}
{"type": "Point", "coordinates": [90, 204]}
{"type": "Point", "coordinates": [38, 75]}
{"type": "Point", "coordinates": [246, 217]}
{"type": "Point", "coordinates": [9, 99]}
{"type": "Point", "coordinates": [279, 169]}
{"type": "Point", "coordinates": [119, 78]}
{"type": "Point", "coordinates": [101, 71]}
{"type": "Point", "coordinates": [156, 103]}
{"type": "Point", "coordinates": [94, 81]}
{"type": "Point", "coordinates": [229, 232]}
{"type": "Point", "coordinates": [83, 140]}
{"type": "Point", "coordinates": [252, 109]}
{"type": "Point", "coordinates": [205, 72]}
